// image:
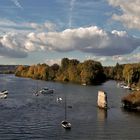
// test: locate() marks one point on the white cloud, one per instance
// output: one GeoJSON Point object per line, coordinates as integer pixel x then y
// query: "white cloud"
{"type": "Point", "coordinates": [131, 58]}
{"type": "Point", "coordinates": [97, 58]}
{"type": "Point", "coordinates": [91, 40]}
{"type": "Point", "coordinates": [11, 46]}
{"type": "Point", "coordinates": [53, 61]}
{"type": "Point", "coordinates": [7, 25]}
{"type": "Point", "coordinates": [6, 22]}
{"type": "Point", "coordinates": [49, 26]}
{"type": "Point", "coordinates": [130, 9]}
{"type": "Point", "coordinates": [128, 58]}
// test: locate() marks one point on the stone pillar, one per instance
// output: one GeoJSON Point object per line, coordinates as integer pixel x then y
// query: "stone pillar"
{"type": "Point", "coordinates": [102, 99]}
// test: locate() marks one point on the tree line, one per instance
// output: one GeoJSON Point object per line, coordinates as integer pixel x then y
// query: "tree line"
{"type": "Point", "coordinates": [87, 72]}
{"type": "Point", "coordinates": [7, 69]}
{"type": "Point", "coordinates": [129, 73]}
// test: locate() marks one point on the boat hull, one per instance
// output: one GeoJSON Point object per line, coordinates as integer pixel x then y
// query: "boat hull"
{"type": "Point", "coordinates": [3, 96]}
{"type": "Point", "coordinates": [46, 91]}
{"type": "Point", "coordinates": [4, 92]}
{"type": "Point", "coordinates": [66, 125]}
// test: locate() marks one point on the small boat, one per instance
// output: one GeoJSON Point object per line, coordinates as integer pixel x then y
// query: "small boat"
{"type": "Point", "coordinates": [59, 99]}
{"type": "Point", "coordinates": [3, 96]}
{"type": "Point", "coordinates": [127, 87]}
{"type": "Point", "coordinates": [4, 92]}
{"type": "Point", "coordinates": [84, 84]}
{"type": "Point", "coordinates": [46, 90]}
{"type": "Point", "coordinates": [69, 106]}
{"type": "Point", "coordinates": [36, 94]}
{"type": "Point", "coordinates": [66, 124]}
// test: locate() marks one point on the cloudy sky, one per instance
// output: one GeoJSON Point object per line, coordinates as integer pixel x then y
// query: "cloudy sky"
{"type": "Point", "coordinates": [45, 31]}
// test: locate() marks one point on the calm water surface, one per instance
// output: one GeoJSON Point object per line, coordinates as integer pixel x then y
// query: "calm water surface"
{"type": "Point", "coordinates": [24, 116]}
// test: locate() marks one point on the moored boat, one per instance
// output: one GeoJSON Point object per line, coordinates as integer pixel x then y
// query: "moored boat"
{"type": "Point", "coordinates": [4, 92]}
{"type": "Point", "coordinates": [3, 96]}
{"type": "Point", "coordinates": [46, 90]}
{"type": "Point", "coordinates": [65, 124]}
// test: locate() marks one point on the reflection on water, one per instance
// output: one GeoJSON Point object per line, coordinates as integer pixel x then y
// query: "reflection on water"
{"type": "Point", "coordinates": [135, 113]}
{"type": "Point", "coordinates": [102, 114]}
{"type": "Point", "coordinates": [25, 116]}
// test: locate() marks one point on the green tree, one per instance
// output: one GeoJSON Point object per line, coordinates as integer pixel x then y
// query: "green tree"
{"type": "Point", "coordinates": [53, 70]}
{"type": "Point", "coordinates": [92, 72]}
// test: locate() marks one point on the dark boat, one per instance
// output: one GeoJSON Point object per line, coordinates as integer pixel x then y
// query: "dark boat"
{"type": "Point", "coordinates": [65, 124]}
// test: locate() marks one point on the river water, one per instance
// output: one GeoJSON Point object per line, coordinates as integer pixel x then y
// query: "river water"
{"type": "Point", "coordinates": [24, 116]}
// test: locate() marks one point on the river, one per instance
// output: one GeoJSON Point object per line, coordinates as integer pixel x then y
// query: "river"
{"type": "Point", "coordinates": [24, 116]}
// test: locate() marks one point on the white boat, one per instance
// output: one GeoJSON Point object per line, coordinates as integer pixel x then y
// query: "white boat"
{"type": "Point", "coordinates": [126, 87]}
{"type": "Point", "coordinates": [59, 99]}
{"type": "Point", "coordinates": [4, 92]}
{"type": "Point", "coordinates": [3, 96]}
{"type": "Point", "coordinates": [84, 84]}
{"type": "Point", "coordinates": [46, 90]}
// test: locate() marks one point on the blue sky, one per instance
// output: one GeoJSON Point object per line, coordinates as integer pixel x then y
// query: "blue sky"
{"type": "Point", "coordinates": [45, 31]}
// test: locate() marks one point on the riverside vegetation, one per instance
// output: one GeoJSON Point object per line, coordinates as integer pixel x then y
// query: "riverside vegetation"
{"type": "Point", "coordinates": [129, 73]}
{"type": "Point", "coordinates": [88, 72]}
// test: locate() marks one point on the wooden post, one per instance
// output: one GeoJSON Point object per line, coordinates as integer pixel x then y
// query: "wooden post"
{"type": "Point", "coordinates": [102, 100]}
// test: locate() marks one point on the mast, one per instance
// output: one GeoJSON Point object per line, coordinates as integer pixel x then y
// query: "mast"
{"type": "Point", "coordinates": [65, 123]}
{"type": "Point", "coordinates": [37, 86]}
{"type": "Point", "coordinates": [65, 107]}
{"type": "Point", "coordinates": [36, 92]}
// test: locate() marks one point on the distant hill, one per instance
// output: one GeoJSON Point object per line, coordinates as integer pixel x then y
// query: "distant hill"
{"type": "Point", "coordinates": [7, 69]}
